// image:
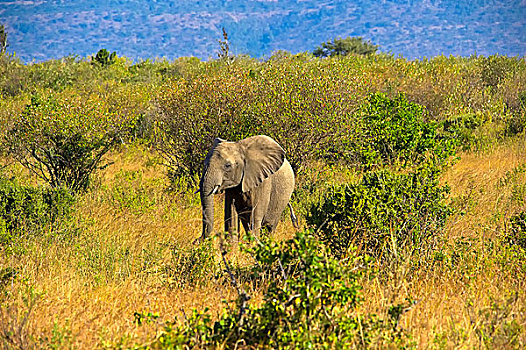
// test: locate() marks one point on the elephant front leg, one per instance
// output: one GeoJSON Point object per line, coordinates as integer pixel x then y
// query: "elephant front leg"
{"type": "Point", "coordinates": [231, 217]}
{"type": "Point", "coordinates": [259, 210]}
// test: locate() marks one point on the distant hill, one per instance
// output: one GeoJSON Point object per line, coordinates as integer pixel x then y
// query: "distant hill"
{"type": "Point", "coordinates": [40, 30]}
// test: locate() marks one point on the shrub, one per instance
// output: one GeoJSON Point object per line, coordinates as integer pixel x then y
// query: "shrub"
{"type": "Point", "coordinates": [496, 68]}
{"type": "Point", "coordinates": [13, 76]}
{"type": "Point", "coordinates": [295, 103]}
{"type": "Point", "coordinates": [463, 129]}
{"type": "Point", "coordinates": [345, 46]}
{"type": "Point", "coordinates": [307, 303]}
{"type": "Point", "coordinates": [396, 131]}
{"type": "Point", "coordinates": [104, 58]}
{"type": "Point", "coordinates": [386, 214]}
{"type": "Point", "coordinates": [60, 74]}
{"type": "Point", "coordinates": [61, 138]}
{"type": "Point", "coordinates": [25, 209]}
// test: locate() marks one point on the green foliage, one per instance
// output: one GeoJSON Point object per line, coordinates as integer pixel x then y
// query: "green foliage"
{"type": "Point", "coordinates": [463, 130]}
{"type": "Point", "coordinates": [13, 76]}
{"type": "Point", "coordinates": [130, 191]}
{"type": "Point", "coordinates": [145, 317]}
{"type": "Point", "coordinates": [291, 102]}
{"type": "Point", "coordinates": [104, 58]}
{"type": "Point", "coordinates": [397, 132]}
{"type": "Point", "coordinates": [58, 75]}
{"type": "Point", "coordinates": [345, 46]}
{"type": "Point", "coordinates": [305, 111]}
{"type": "Point", "coordinates": [25, 209]}
{"type": "Point", "coordinates": [516, 123]}
{"type": "Point", "coordinates": [388, 215]}
{"type": "Point", "coordinates": [308, 302]}
{"type": "Point", "coordinates": [62, 138]}
{"type": "Point", "coordinates": [496, 68]}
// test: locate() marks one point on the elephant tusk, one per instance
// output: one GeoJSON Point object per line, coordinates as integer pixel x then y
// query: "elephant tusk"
{"type": "Point", "coordinates": [214, 191]}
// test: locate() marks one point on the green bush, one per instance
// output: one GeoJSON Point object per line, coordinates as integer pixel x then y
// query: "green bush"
{"type": "Point", "coordinates": [308, 302]}
{"type": "Point", "coordinates": [388, 215]}
{"type": "Point", "coordinates": [61, 138]}
{"type": "Point", "coordinates": [463, 129]}
{"type": "Point", "coordinates": [397, 132]}
{"type": "Point", "coordinates": [496, 68]}
{"type": "Point", "coordinates": [515, 124]}
{"type": "Point", "coordinates": [13, 76]}
{"type": "Point", "coordinates": [345, 46]}
{"type": "Point", "coordinates": [104, 58]}
{"type": "Point", "coordinates": [295, 103]}
{"type": "Point", "coordinates": [25, 209]}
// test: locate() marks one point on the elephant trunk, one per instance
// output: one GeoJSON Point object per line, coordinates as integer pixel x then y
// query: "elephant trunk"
{"type": "Point", "coordinates": [208, 188]}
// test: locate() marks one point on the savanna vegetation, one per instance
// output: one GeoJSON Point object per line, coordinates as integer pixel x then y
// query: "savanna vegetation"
{"type": "Point", "coordinates": [411, 192]}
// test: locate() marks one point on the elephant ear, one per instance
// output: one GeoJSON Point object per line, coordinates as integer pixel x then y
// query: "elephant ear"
{"type": "Point", "coordinates": [263, 157]}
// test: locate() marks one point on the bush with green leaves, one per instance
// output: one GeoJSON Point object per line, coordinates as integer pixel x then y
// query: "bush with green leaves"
{"type": "Point", "coordinates": [104, 58]}
{"type": "Point", "coordinates": [395, 131]}
{"type": "Point", "coordinates": [26, 209]}
{"type": "Point", "coordinates": [305, 109]}
{"type": "Point", "coordinates": [464, 129]}
{"type": "Point", "coordinates": [309, 301]}
{"type": "Point", "coordinates": [496, 68]}
{"type": "Point", "coordinates": [345, 46]}
{"type": "Point", "coordinates": [388, 215]}
{"type": "Point", "coordinates": [61, 138]}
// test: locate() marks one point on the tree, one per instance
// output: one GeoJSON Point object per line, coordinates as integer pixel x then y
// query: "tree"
{"type": "Point", "coordinates": [345, 46]}
{"type": "Point", "coordinates": [3, 39]}
{"type": "Point", "coordinates": [104, 58]}
{"type": "Point", "coordinates": [224, 49]}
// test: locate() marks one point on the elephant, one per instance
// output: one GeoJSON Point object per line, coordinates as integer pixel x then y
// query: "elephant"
{"type": "Point", "coordinates": [257, 181]}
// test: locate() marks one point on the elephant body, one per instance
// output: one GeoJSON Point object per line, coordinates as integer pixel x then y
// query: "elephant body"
{"type": "Point", "coordinates": [257, 181]}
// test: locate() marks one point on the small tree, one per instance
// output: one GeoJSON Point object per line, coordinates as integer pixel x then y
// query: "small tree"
{"type": "Point", "coordinates": [3, 39]}
{"type": "Point", "coordinates": [345, 46]}
{"type": "Point", "coordinates": [62, 138]}
{"type": "Point", "coordinates": [224, 49]}
{"type": "Point", "coordinates": [104, 58]}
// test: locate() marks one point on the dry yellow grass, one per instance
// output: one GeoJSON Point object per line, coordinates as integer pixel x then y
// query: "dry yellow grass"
{"type": "Point", "coordinates": [90, 286]}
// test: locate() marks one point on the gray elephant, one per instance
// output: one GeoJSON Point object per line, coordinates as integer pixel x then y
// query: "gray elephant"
{"type": "Point", "coordinates": [257, 181]}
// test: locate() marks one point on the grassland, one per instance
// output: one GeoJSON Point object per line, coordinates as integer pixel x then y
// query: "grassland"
{"type": "Point", "coordinates": [126, 260]}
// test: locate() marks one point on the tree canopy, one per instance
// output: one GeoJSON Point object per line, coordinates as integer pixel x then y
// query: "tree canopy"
{"type": "Point", "coordinates": [345, 46]}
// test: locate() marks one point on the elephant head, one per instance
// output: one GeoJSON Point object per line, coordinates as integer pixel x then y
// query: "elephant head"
{"type": "Point", "coordinates": [246, 163]}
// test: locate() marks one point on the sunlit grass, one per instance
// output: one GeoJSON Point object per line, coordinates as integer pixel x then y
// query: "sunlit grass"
{"type": "Point", "coordinates": [91, 281]}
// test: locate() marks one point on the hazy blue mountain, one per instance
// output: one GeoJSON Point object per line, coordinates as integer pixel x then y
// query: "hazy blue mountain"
{"type": "Point", "coordinates": [40, 30]}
